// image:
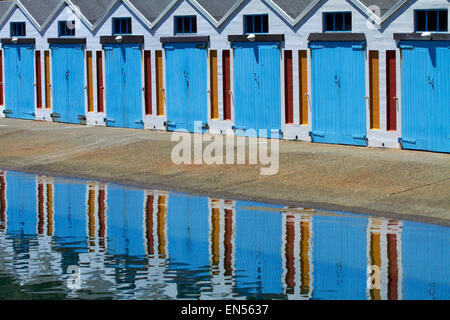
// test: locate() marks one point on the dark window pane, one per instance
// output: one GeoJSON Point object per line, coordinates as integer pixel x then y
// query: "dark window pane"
{"type": "Point", "coordinates": [266, 23]}
{"type": "Point", "coordinates": [178, 25]}
{"type": "Point", "coordinates": [129, 31]}
{"type": "Point", "coordinates": [329, 22]}
{"type": "Point", "coordinates": [421, 20]}
{"type": "Point", "coordinates": [338, 22]}
{"type": "Point", "coordinates": [194, 24]}
{"type": "Point", "coordinates": [258, 24]}
{"type": "Point", "coordinates": [248, 24]}
{"type": "Point", "coordinates": [348, 21]}
{"type": "Point", "coordinates": [443, 20]}
{"type": "Point", "coordinates": [432, 21]}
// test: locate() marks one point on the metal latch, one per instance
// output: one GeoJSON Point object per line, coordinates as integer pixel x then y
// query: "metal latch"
{"type": "Point", "coordinates": [55, 115]}
{"type": "Point", "coordinates": [109, 120]}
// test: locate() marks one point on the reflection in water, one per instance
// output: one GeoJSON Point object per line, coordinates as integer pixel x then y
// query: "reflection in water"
{"type": "Point", "coordinates": [131, 243]}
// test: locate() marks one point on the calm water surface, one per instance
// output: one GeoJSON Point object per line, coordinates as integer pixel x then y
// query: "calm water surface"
{"type": "Point", "coordinates": [72, 239]}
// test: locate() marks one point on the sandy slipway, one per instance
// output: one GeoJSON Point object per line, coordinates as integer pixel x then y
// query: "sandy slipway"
{"type": "Point", "coordinates": [381, 182]}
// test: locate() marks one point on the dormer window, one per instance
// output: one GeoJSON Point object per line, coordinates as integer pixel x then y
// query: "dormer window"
{"type": "Point", "coordinates": [337, 21]}
{"type": "Point", "coordinates": [435, 20]}
{"type": "Point", "coordinates": [66, 28]}
{"type": "Point", "coordinates": [185, 25]}
{"type": "Point", "coordinates": [256, 23]}
{"type": "Point", "coordinates": [18, 29]}
{"type": "Point", "coordinates": [121, 26]}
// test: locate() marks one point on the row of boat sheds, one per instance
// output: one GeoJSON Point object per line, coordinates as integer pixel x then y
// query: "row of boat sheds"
{"type": "Point", "coordinates": [355, 72]}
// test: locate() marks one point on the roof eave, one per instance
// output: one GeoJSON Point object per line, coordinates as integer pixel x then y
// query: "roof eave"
{"type": "Point", "coordinates": [79, 14]}
{"type": "Point", "coordinates": [53, 14]}
{"type": "Point", "coordinates": [211, 19]}
{"type": "Point", "coordinates": [8, 12]}
{"type": "Point", "coordinates": [292, 21]}
{"type": "Point", "coordinates": [28, 14]}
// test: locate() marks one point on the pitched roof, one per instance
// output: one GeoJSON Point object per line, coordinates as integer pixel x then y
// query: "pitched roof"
{"type": "Point", "coordinates": [93, 10]}
{"type": "Point", "coordinates": [383, 5]}
{"type": "Point", "coordinates": [218, 9]}
{"type": "Point", "coordinates": [40, 11]}
{"type": "Point", "coordinates": [293, 7]}
{"type": "Point", "coordinates": [151, 9]}
{"type": "Point", "coordinates": [5, 8]}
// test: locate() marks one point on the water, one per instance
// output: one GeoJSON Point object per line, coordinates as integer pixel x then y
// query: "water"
{"type": "Point", "coordinates": [71, 239]}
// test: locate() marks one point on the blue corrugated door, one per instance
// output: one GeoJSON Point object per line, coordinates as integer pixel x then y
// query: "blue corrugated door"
{"type": "Point", "coordinates": [339, 258]}
{"type": "Point", "coordinates": [125, 221]}
{"type": "Point", "coordinates": [68, 83]}
{"type": "Point", "coordinates": [425, 104]}
{"type": "Point", "coordinates": [257, 97]}
{"type": "Point", "coordinates": [338, 89]}
{"type": "Point", "coordinates": [19, 80]}
{"type": "Point", "coordinates": [124, 85]}
{"type": "Point", "coordinates": [186, 82]}
{"type": "Point", "coordinates": [258, 251]}
{"type": "Point", "coordinates": [21, 204]}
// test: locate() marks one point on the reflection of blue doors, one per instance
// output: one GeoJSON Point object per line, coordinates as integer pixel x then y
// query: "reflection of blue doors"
{"type": "Point", "coordinates": [339, 258]}
{"type": "Point", "coordinates": [19, 79]}
{"type": "Point", "coordinates": [125, 221]}
{"type": "Point", "coordinates": [68, 83]}
{"type": "Point", "coordinates": [186, 86]}
{"type": "Point", "coordinates": [425, 82]}
{"type": "Point", "coordinates": [258, 250]}
{"type": "Point", "coordinates": [257, 87]}
{"type": "Point", "coordinates": [21, 206]}
{"type": "Point", "coordinates": [338, 89]}
{"type": "Point", "coordinates": [426, 262]}
{"type": "Point", "coordinates": [188, 233]}
{"type": "Point", "coordinates": [70, 215]}
{"type": "Point", "coordinates": [124, 86]}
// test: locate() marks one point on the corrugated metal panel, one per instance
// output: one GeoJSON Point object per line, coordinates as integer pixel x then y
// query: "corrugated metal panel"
{"type": "Point", "coordinates": [124, 85]}
{"type": "Point", "coordinates": [426, 262]}
{"type": "Point", "coordinates": [339, 258]}
{"type": "Point", "coordinates": [338, 102]}
{"type": "Point", "coordinates": [148, 81]}
{"type": "Point", "coordinates": [90, 81]}
{"type": "Point", "coordinates": [38, 79]}
{"type": "Point", "coordinates": [19, 80]}
{"type": "Point", "coordinates": [186, 74]}
{"type": "Point", "coordinates": [257, 87]}
{"type": "Point", "coordinates": [258, 254]}
{"type": "Point", "coordinates": [68, 82]}
{"type": "Point", "coordinates": [48, 86]}
{"type": "Point", "coordinates": [213, 84]}
{"type": "Point", "coordinates": [425, 95]}
{"type": "Point", "coordinates": [125, 221]}
{"type": "Point", "coordinates": [303, 86]}
{"type": "Point", "coordinates": [21, 209]}
{"type": "Point", "coordinates": [160, 95]}
{"type": "Point", "coordinates": [226, 76]}
{"type": "Point", "coordinates": [374, 87]}
{"type": "Point", "coordinates": [288, 87]}
{"type": "Point", "coordinates": [391, 89]}
{"type": "Point", "coordinates": [100, 86]}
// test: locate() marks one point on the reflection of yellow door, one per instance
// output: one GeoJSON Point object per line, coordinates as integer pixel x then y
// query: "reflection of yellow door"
{"type": "Point", "coordinates": [375, 257]}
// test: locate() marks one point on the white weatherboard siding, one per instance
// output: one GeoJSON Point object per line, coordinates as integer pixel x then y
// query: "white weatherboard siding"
{"type": "Point", "coordinates": [401, 21]}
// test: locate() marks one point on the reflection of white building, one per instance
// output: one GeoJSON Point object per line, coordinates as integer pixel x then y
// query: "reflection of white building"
{"type": "Point", "coordinates": [222, 219]}
{"type": "Point", "coordinates": [296, 253]}
{"type": "Point", "coordinates": [384, 259]}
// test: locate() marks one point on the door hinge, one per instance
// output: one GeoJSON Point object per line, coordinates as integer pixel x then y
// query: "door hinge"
{"type": "Point", "coordinates": [401, 140]}
{"type": "Point", "coordinates": [139, 122]}
{"type": "Point", "coordinates": [359, 137]}
{"type": "Point", "coordinates": [29, 113]}
{"type": "Point", "coordinates": [81, 117]}
{"type": "Point", "coordinates": [109, 120]}
{"type": "Point", "coordinates": [315, 46]}
{"type": "Point", "coordinates": [55, 115]}
{"type": "Point", "coordinates": [169, 124]}
{"type": "Point", "coordinates": [406, 47]}
{"type": "Point", "coordinates": [7, 111]}
{"type": "Point", "coordinates": [317, 134]}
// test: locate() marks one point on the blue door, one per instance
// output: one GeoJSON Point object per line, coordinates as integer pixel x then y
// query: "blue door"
{"type": "Point", "coordinates": [19, 80]}
{"type": "Point", "coordinates": [70, 216]}
{"type": "Point", "coordinates": [338, 89]}
{"type": "Point", "coordinates": [258, 251]}
{"type": "Point", "coordinates": [68, 83]}
{"type": "Point", "coordinates": [257, 97]}
{"type": "Point", "coordinates": [124, 86]}
{"type": "Point", "coordinates": [125, 222]}
{"type": "Point", "coordinates": [186, 82]}
{"type": "Point", "coordinates": [339, 258]}
{"type": "Point", "coordinates": [21, 204]}
{"type": "Point", "coordinates": [425, 103]}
